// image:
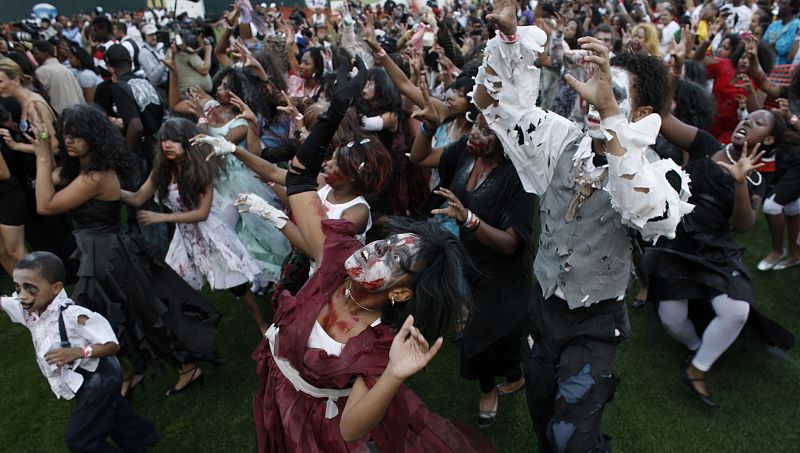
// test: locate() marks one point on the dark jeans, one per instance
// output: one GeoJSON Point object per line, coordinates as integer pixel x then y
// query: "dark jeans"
{"type": "Point", "coordinates": [101, 412]}
{"type": "Point", "coordinates": [569, 371]}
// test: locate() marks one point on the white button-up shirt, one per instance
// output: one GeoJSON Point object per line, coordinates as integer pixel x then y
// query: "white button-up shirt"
{"type": "Point", "coordinates": [64, 381]}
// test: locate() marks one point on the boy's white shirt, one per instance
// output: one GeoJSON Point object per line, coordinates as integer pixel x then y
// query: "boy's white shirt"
{"type": "Point", "coordinates": [64, 381]}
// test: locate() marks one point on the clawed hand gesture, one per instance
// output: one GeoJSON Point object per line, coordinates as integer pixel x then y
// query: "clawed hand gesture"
{"type": "Point", "coordinates": [429, 115]}
{"type": "Point", "coordinates": [783, 109]}
{"type": "Point", "coordinates": [745, 164]}
{"type": "Point", "coordinates": [247, 113]}
{"type": "Point", "coordinates": [504, 16]}
{"type": "Point", "coordinates": [455, 209]}
{"type": "Point", "coordinates": [220, 146]}
{"type": "Point", "coordinates": [410, 351]}
{"type": "Point", "coordinates": [597, 90]}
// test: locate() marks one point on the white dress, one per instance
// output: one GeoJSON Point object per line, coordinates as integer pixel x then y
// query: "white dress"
{"type": "Point", "coordinates": [209, 250]}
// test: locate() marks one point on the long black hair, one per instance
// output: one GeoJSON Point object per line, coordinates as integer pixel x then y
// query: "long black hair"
{"type": "Point", "coordinates": [195, 174]}
{"type": "Point", "coordinates": [439, 285]}
{"type": "Point", "coordinates": [387, 97]}
{"type": "Point", "coordinates": [245, 85]}
{"type": "Point", "coordinates": [106, 144]}
{"type": "Point", "coordinates": [82, 55]}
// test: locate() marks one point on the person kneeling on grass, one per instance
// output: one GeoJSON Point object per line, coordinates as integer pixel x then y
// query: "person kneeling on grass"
{"type": "Point", "coordinates": [75, 350]}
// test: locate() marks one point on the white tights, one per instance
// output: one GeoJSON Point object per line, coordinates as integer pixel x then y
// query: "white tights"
{"type": "Point", "coordinates": [718, 336]}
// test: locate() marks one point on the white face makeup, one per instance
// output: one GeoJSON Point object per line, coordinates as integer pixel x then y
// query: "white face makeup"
{"type": "Point", "coordinates": [380, 264]}
{"type": "Point", "coordinates": [620, 83]}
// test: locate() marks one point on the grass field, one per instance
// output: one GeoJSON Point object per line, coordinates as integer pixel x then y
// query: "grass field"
{"type": "Point", "coordinates": [652, 412]}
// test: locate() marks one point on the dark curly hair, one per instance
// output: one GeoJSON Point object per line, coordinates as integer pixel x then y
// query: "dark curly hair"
{"type": "Point", "coordinates": [650, 79]}
{"type": "Point", "coordinates": [366, 162]}
{"type": "Point", "coordinates": [195, 173]}
{"type": "Point", "coordinates": [439, 285]}
{"type": "Point", "coordinates": [107, 147]}
{"type": "Point", "coordinates": [244, 84]}
{"type": "Point", "coordinates": [694, 105]}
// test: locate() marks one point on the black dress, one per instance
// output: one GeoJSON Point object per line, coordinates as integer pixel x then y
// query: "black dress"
{"type": "Point", "coordinates": [501, 284]}
{"type": "Point", "coordinates": [703, 261]}
{"type": "Point", "coordinates": [154, 312]}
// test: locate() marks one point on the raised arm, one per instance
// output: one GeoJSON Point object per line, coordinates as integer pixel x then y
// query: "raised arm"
{"type": "Point", "coordinates": [422, 153]}
{"type": "Point", "coordinates": [505, 86]}
{"type": "Point", "coordinates": [301, 180]}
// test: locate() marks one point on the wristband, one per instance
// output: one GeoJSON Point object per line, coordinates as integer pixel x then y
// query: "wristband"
{"type": "Point", "coordinates": [202, 120]}
{"type": "Point", "coordinates": [380, 54]}
{"type": "Point", "coordinates": [87, 351]}
{"type": "Point", "coordinates": [508, 39]}
{"type": "Point", "coordinates": [425, 130]}
{"type": "Point", "coordinates": [793, 119]}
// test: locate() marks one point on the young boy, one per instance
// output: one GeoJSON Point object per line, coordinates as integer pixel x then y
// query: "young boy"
{"type": "Point", "coordinates": [75, 350]}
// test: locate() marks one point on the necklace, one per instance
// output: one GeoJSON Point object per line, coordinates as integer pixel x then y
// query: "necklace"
{"type": "Point", "coordinates": [730, 158]}
{"type": "Point", "coordinates": [349, 295]}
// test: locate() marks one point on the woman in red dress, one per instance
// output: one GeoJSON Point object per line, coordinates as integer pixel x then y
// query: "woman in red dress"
{"type": "Point", "coordinates": [332, 366]}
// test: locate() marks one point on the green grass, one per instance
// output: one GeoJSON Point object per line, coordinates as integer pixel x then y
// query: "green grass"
{"type": "Point", "coordinates": [652, 412]}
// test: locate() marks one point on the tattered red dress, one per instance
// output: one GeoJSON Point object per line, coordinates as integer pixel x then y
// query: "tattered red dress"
{"type": "Point", "coordinates": [288, 420]}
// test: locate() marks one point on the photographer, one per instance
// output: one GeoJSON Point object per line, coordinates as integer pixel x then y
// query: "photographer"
{"type": "Point", "coordinates": [150, 57]}
{"type": "Point", "coordinates": [190, 67]}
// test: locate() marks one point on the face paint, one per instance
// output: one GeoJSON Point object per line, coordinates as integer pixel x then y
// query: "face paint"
{"type": "Point", "coordinates": [620, 84]}
{"type": "Point", "coordinates": [481, 138]}
{"type": "Point", "coordinates": [381, 264]}
{"type": "Point", "coordinates": [330, 171]}
{"type": "Point", "coordinates": [172, 150]}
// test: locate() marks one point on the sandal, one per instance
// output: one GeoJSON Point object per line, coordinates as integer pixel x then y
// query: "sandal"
{"type": "Point", "coordinates": [133, 382]}
{"type": "Point", "coordinates": [196, 377]}
{"type": "Point", "coordinates": [705, 399]}
{"type": "Point", "coordinates": [487, 418]}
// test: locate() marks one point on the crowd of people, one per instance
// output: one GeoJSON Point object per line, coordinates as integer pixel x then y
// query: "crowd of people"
{"type": "Point", "coordinates": [378, 172]}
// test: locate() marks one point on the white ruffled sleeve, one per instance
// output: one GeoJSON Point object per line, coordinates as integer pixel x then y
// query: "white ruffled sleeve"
{"type": "Point", "coordinates": [640, 190]}
{"type": "Point", "coordinates": [532, 138]}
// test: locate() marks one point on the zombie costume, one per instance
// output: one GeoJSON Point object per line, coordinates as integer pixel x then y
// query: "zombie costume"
{"type": "Point", "coordinates": [703, 263]}
{"type": "Point", "coordinates": [303, 388]}
{"type": "Point", "coordinates": [500, 284]}
{"type": "Point", "coordinates": [583, 263]}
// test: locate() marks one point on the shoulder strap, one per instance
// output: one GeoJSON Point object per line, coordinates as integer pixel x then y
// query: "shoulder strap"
{"type": "Point", "coordinates": [62, 329]}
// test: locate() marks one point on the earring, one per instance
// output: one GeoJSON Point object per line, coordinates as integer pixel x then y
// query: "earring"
{"type": "Point", "coordinates": [391, 298]}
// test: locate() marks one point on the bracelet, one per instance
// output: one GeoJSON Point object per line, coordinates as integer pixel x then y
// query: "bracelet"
{"type": "Point", "coordinates": [466, 221]}
{"type": "Point", "coordinates": [508, 39]}
{"type": "Point", "coordinates": [298, 117]}
{"type": "Point", "coordinates": [793, 120]}
{"type": "Point", "coordinates": [87, 351]}
{"type": "Point", "coordinates": [425, 130]}
{"type": "Point", "coordinates": [202, 120]}
{"type": "Point", "coordinates": [472, 222]}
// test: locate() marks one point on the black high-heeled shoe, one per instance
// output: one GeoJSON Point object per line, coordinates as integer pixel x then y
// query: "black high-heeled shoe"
{"type": "Point", "coordinates": [705, 399]}
{"type": "Point", "coordinates": [136, 381]}
{"type": "Point", "coordinates": [195, 378]}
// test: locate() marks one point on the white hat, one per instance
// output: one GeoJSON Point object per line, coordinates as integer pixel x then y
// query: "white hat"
{"type": "Point", "coordinates": [149, 29]}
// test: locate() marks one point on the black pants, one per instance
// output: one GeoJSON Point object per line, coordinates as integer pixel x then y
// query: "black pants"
{"type": "Point", "coordinates": [569, 371]}
{"type": "Point", "coordinates": [101, 412]}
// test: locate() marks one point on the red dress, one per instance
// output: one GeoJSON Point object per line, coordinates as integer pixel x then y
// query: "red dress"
{"type": "Point", "coordinates": [288, 420]}
{"type": "Point", "coordinates": [726, 94]}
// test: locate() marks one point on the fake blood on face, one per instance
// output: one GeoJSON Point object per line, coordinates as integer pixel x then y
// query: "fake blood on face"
{"type": "Point", "coordinates": [355, 271]}
{"type": "Point", "coordinates": [374, 285]}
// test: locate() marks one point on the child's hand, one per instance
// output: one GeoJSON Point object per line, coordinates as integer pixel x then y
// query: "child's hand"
{"type": "Point", "coordinates": [63, 356]}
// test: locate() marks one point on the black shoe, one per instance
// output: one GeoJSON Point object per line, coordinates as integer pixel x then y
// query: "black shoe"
{"type": "Point", "coordinates": [136, 381]}
{"type": "Point", "coordinates": [705, 399]}
{"type": "Point", "coordinates": [487, 418]}
{"type": "Point", "coordinates": [192, 380]}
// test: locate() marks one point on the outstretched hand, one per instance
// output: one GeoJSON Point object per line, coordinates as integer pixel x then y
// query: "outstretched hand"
{"type": "Point", "coordinates": [429, 115]}
{"type": "Point", "coordinates": [597, 90]}
{"type": "Point", "coordinates": [504, 16]}
{"type": "Point", "coordinates": [745, 164]}
{"type": "Point", "coordinates": [219, 145]}
{"type": "Point", "coordinates": [455, 208]}
{"type": "Point", "coordinates": [410, 351]}
{"type": "Point", "coordinates": [247, 113]}
{"type": "Point", "coordinates": [252, 203]}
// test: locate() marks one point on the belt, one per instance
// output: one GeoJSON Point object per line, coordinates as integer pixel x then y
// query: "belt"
{"type": "Point", "coordinates": [290, 373]}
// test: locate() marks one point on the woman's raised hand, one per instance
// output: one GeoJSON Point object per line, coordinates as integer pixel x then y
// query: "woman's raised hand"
{"type": "Point", "coordinates": [346, 89]}
{"type": "Point", "coordinates": [39, 136]}
{"type": "Point", "coordinates": [455, 209]}
{"type": "Point", "coordinates": [745, 164]}
{"type": "Point", "coordinates": [246, 112]}
{"type": "Point", "coordinates": [429, 115]}
{"type": "Point", "coordinates": [410, 351]}
{"type": "Point", "coordinates": [220, 146]}
{"type": "Point", "coordinates": [289, 109]}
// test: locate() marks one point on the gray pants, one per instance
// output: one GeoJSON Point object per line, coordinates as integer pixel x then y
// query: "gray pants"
{"type": "Point", "coordinates": [569, 371]}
